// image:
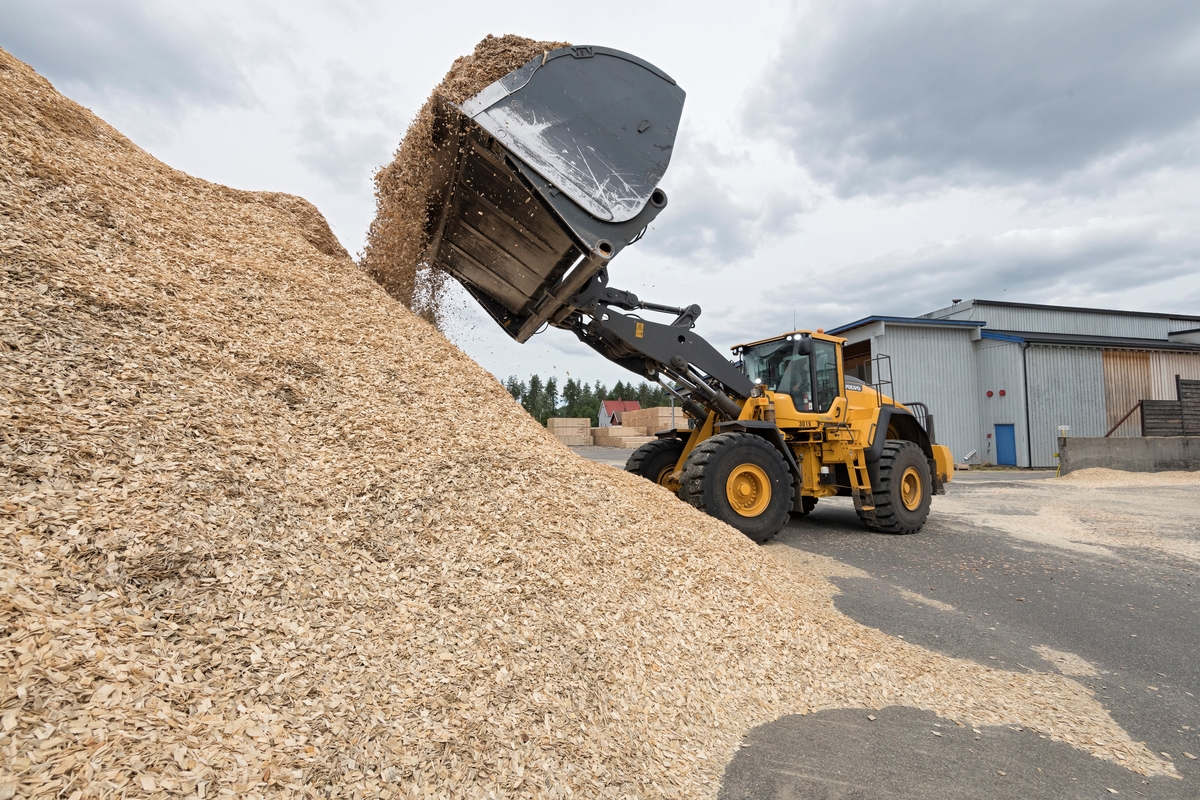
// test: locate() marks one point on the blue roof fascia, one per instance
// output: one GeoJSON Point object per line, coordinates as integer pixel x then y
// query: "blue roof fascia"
{"type": "Point", "coordinates": [1003, 337]}
{"type": "Point", "coordinates": [961, 323]}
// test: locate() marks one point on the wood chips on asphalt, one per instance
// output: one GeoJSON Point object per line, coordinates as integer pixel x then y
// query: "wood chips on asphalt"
{"type": "Point", "coordinates": [265, 532]}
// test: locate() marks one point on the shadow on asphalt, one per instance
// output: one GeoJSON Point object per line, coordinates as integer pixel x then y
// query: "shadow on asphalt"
{"type": "Point", "coordinates": [907, 753]}
{"type": "Point", "coordinates": [978, 594]}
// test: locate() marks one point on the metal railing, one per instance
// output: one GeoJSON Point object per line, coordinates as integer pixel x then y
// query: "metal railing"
{"type": "Point", "coordinates": [878, 381]}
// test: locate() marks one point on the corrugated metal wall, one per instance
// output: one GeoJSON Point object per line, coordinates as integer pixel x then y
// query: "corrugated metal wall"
{"type": "Point", "coordinates": [1126, 383]}
{"type": "Point", "coordinates": [1043, 320]}
{"type": "Point", "coordinates": [936, 366]}
{"type": "Point", "coordinates": [961, 311]}
{"type": "Point", "coordinates": [1087, 388]}
{"type": "Point", "coordinates": [1066, 387]}
{"type": "Point", "coordinates": [1000, 369]}
{"type": "Point", "coordinates": [1163, 369]}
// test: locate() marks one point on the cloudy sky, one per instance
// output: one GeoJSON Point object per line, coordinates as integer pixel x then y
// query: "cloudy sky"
{"type": "Point", "coordinates": [836, 159]}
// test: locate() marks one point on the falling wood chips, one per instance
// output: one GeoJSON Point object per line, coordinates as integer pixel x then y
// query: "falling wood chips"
{"type": "Point", "coordinates": [396, 239]}
{"type": "Point", "coordinates": [265, 532]}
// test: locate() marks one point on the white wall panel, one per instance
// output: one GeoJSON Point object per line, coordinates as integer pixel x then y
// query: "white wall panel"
{"type": "Point", "coordinates": [1000, 370]}
{"type": "Point", "coordinates": [1052, 320]}
{"type": "Point", "coordinates": [1066, 387]}
{"type": "Point", "coordinates": [936, 366]}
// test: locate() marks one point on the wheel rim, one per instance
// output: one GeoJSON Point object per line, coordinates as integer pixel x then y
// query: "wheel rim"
{"type": "Point", "coordinates": [910, 488]}
{"type": "Point", "coordinates": [663, 474]}
{"type": "Point", "coordinates": [748, 490]}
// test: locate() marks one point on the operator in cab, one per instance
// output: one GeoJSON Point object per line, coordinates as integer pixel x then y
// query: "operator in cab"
{"type": "Point", "coordinates": [797, 382]}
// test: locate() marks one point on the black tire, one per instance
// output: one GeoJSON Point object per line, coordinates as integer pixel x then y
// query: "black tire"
{"type": "Point", "coordinates": [807, 504]}
{"type": "Point", "coordinates": [903, 470]}
{"type": "Point", "coordinates": [730, 464]}
{"type": "Point", "coordinates": [655, 460]}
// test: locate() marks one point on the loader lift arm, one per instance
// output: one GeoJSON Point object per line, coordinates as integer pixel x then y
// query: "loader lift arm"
{"type": "Point", "coordinates": [704, 380]}
{"type": "Point", "coordinates": [537, 182]}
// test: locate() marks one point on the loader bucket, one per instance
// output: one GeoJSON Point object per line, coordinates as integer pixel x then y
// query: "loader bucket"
{"type": "Point", "coordinates": [545, 175]}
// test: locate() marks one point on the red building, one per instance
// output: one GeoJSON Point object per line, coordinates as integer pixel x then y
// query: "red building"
{"type": "Point", "coordinates": [611, 411]}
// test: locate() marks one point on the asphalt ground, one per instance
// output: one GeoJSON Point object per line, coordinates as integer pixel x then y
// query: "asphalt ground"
{"type": "Point", "coordinates": [613, 456]}
{"type": "Point", "coordinates": [1132, 615]}
{"type": "Point", "coordinates": [973, 591]}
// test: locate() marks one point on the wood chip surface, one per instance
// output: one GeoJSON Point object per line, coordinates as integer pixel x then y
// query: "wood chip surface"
{"type": "Point", "coordinates": [1100, 476]}
{"type": "Point", "coordinates": [1094, 511]}
{"type": "Point", "coordinates": [264, 532]}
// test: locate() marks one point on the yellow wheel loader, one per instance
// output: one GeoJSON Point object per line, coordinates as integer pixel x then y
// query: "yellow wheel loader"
{"type": "Point", "coordinates": [806, 431]}
{"type": "Point", "coordinates": [539, 181]}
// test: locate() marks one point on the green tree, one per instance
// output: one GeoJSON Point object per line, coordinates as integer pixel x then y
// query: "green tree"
{"type": "Point", "coordinates": [570, 397]}
{"type": "Point", "coordinates": [542, 399]}
{"type": "Point", "coordinates": [643, 394]}
{"type": "Point", "coordinates": [588, 405]}
{"type": "Point", "coordinates": [532, 397]}
{"type": "Point", "coordinates": [548, 401]}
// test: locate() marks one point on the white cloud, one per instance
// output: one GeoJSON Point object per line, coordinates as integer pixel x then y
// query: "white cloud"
{"type": "Point", "coordinates": [347, 128]}
{"type": "Point", "coordinates": [1124, 262]}
{"type": "Point", "coordinates": [722, 205]}
{"type": "Point", "coordinates": [156, 62]}
{"type": "Point", "coordinates": [835, 159]}
{"type": "Point", "coordinates": [877, 96]}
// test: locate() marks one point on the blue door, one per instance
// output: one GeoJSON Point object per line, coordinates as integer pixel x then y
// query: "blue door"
{"type": "Point", "coordinates": [1006, 445]}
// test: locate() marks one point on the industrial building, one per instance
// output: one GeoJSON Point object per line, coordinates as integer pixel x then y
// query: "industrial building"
{"type": "Point", "coordinates": [1001, 378]}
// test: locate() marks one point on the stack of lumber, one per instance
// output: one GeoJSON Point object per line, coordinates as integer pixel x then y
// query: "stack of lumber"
{"type": "Point", "coordinates": [656, 419]}
{"type": "Point", "coordinates": [627, 436]}
{"type": "Point", "coordinates": [265, 532]}
{"type": "Point", "coordinates": [571, 431]}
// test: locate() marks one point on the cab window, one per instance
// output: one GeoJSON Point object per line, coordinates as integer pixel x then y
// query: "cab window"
{"type": "Point", "coordinates": [785, 365]}
{"type": "Point", "coordinates": [826, 372]}
{"type": "Point", "coordinates": [797, 382]}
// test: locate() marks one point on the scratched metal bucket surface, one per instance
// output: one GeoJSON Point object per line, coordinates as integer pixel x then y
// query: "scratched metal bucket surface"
{"type": "Point", "coordinates": [544, 176]}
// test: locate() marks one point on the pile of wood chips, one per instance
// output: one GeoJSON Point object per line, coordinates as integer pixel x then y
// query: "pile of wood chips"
{"type": "Point", "coordinates": [396, 240]}
{"type": "Point", "coordinates": [265, 532]}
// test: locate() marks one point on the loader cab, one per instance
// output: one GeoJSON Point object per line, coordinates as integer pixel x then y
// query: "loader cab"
{"type": "Point", "coordinates": [804, 366]}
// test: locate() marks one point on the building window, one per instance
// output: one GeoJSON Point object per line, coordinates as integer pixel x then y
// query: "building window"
{"type": "Point", "coordinates": [856, 360]}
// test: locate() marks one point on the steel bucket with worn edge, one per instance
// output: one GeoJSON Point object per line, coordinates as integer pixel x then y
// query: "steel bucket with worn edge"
{"type": "Point", "coordinates": [541, 178]}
